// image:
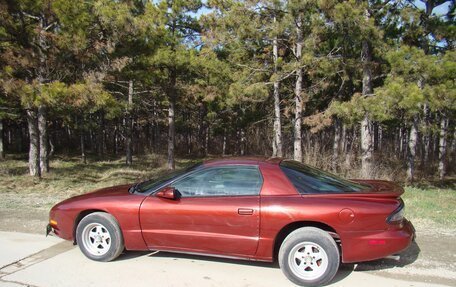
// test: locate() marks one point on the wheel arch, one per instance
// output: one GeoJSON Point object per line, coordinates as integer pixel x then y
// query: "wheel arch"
{"type": "Point", "coordinates": [287, 229]}
{"type": "Point", "coordinates": [80, 216]}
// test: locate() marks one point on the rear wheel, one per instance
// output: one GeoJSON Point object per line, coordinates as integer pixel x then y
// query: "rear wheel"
{"type": "Point", "coordinates": [309, 257]}
{"type": "Point", "coordinates": [99, 237]}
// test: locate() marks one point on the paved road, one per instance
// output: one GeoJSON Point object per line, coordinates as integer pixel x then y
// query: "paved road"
{"type": "Point", "coordinates": [34, 260]}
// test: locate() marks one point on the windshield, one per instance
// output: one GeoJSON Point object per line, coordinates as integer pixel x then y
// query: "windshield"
{"type": "Point", "coordinates": [307, 179]}
{"type": "Point", "coordinates": [156, 182]}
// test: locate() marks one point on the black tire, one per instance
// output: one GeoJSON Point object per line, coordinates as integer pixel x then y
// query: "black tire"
{"type": "Point", "coordinates": [99, 237]}
{"type": "Point", "coordinates": [298, 264]}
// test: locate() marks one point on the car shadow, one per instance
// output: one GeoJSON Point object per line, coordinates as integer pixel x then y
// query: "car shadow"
{"type": "Point", "coordinates": [127, 255]}
{"type": "Point", "coordinates": [407, 257]}
{"type": "Point", "coordinates": [343, 272]}
{"type": "Point", "coordinates": [195, 257]}
{"type": "Point", "coordinates": [344, 269]}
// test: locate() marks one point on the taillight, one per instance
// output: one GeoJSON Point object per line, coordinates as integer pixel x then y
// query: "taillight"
{"type": "Point", "coordinates": [398, 214]}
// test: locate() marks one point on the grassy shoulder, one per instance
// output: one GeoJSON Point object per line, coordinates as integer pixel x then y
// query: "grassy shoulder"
{"type": "Point", "coordinates": [428, 206]}
{"type": "Point", "coordinates": [431, 205]}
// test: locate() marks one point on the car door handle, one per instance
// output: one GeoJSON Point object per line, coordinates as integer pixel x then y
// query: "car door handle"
{"type": "Point", "coordinates": [245, 211]}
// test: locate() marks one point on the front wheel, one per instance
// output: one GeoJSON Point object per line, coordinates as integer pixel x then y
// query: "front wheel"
{"type": "Point", "coordinates": [309, 257]}
{"type": "Point", "coordinates": [99, 237]}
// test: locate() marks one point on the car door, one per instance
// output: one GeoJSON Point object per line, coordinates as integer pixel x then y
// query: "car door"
{"type": "Point", "coordinates": [218, 213]}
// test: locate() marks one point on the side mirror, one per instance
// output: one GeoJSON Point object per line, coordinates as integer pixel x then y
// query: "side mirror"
{"type": "Point", "coordinates": [169, 193]}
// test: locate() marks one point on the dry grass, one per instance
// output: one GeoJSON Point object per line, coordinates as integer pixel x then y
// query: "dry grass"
{"type": "Point", "coordinates": [69, 177]}
{"type": "Point", "coordinates": [426, 205]}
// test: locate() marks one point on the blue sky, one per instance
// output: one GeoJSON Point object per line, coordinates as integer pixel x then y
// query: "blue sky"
{"type": "Point", "coordinates": [440, 10]}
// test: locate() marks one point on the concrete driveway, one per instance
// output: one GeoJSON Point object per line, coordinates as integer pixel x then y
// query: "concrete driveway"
{"type": "Point", "coordinates": [34, 260]}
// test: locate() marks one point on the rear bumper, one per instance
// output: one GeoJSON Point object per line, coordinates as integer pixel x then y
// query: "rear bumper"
{"type": "Point", "coordinates": [366, 246]}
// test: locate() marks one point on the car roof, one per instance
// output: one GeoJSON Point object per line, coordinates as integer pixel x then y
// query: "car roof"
{"type": "Point", "coordinates": [256, 160]}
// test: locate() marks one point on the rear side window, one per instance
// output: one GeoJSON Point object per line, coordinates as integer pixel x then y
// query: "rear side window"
{"type": "Point", "coordinates": [308, 179]}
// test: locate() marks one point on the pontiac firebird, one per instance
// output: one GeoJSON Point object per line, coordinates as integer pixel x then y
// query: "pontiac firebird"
{"type": "Point", "coordinates": [248, 208]}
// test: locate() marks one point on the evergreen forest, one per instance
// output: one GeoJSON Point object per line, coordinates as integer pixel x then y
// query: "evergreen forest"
{"type": "Point", "coordinates": [361, 88]}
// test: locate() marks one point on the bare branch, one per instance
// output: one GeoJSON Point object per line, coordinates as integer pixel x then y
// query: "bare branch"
{"type": "Point", "coordinates": [117, 83]}
{"type": "Point", "coordinates": [49, 26]}
{"type": "Point", "coordinates": [143, 92]}
{"type": "Point", "coordinates": [31, 16]}
{"type": "Point", "coordinates": [116, 92]}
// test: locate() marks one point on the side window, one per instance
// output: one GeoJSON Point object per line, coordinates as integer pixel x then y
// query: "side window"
{"type": "Point", "coordinates": [221, 181]}
{"type": "Point", "coordinates": [307, 179]}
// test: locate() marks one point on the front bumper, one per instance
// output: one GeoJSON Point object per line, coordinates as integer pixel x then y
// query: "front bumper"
{"type": "Point", "coordinates": [49, 230]}
{"type": "Point", "coordinates": [366, 246]}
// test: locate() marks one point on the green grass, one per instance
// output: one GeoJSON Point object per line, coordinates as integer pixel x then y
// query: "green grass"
{"type": "Point", "coordinates": [431, 205]}
{"type": "Point", "coordinates": [68, 177]}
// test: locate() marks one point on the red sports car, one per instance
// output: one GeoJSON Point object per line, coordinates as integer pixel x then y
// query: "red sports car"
{"type": "Point", "coordinates": [253, 209]}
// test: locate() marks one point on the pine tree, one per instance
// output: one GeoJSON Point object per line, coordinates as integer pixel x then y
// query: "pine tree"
{"type": "Point", "coordinates": [175, 58]}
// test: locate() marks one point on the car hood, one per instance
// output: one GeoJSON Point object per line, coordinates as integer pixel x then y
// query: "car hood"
{"type": "Point", "coordinates": [109, 191]}
{"type": "Point", "coordinates": [113, 191]}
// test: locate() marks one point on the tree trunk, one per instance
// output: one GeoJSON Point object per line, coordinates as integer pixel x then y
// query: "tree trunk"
{"type": "Point", "coordinates": [426, 138]}
{"type": "Point", "coordinates": [44, 141]}
{"type": "Point", "coordinates": [136, 138]}
{"type": "Point", "coordinates": [277, 142]}
{"type": "Point", "coordinates": [34, 149]}
{"type": "Point", "coordinates": [91, 136]}
{"type": "Point", "coordinates": [349, 143]}
{"type": "Point", "coordinates": [51, 149]}
{"type": "Point", "coordinates": [224, 143]}
{"type": "Point", "coordinates": [375, 136]}
{"type": "Point", "coordinates": [83, 154]}
{"type": "Point", "coordinates": [171, 133]}
{"type": "Point", "coordinates": [2, 152]}
{"type": "Point", "coordinates": [379, 139]}
{"type": "Point", "coordinates": [68, 138]}
{"type": "Point", "coordinates": [81, 128]}
{"type": "Point", "coordinates": [343, 140]}
{"type": "Point", "coordinates": [116, 140]}
{"type": "Point", "coordinates": [156, 127]}
{"type": "Point", "coordinates": [336, 144]}
{"type": "Point", "coordinates": [9, 137]}
{"type": "Point", "coordinates": [129, 128]}
{"type": "Point", "coordinates": [367, 146]}
{"type": "Point", "coordinates": [297, 146]}
{"type": "Point", "coordinates": [201, 127]}
{"type": "Point", "coordinates": [40, 117]}
{"type": "Point", "coordinates": [101, 136]}
{"type": "Point", "coordinates": [43, 146]}
{"type": "Point", "coordinates": [412, 141]}
{"type": "Point", "coordinates": [443, 146]}
{"type": "Point", "coordinates": [243, 140]}
{"type": "Point", "coordinates": [188, 133]}
{"type": "Point", "coordinates": [206, 141]}
{"type": "Point", "coordinates": [404, 141]}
